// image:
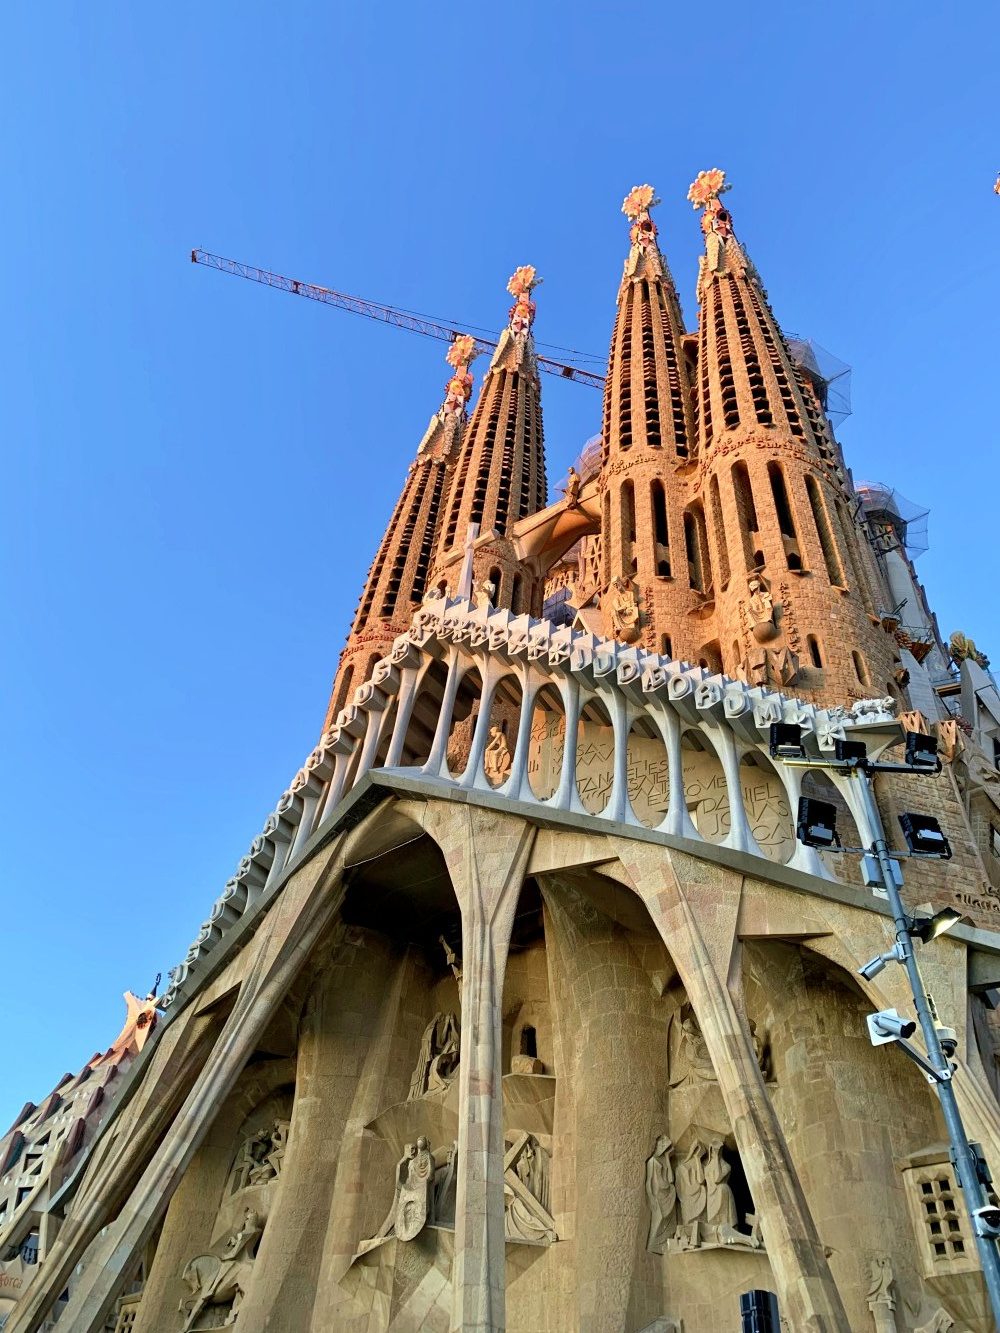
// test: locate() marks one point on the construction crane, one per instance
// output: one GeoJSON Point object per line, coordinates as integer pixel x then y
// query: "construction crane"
{"type": "Point", "coordinates": [386, 314]}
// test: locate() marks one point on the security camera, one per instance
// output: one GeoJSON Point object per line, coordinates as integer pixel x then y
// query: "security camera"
{"type": "Point", "coordinates": [948, 1038]}
{"type": "Point", "coordinates": [986, 1220]}
{"type": "Point", "coordinates": [887, 1026]}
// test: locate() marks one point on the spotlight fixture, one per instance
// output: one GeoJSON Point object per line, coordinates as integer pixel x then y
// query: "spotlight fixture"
{"type": "Point", "coordinates": [927, 928]}
{"type": "Point", "coordinates": [922, 752]}
{"type": "Point", "coordinates": [924, 836]}
{"type": "Point", "coordinates": [816, 825]}
{"type": "Point", "coordinates": [786, 741]}
{"type": "Point", "coordinates": [851, 752]}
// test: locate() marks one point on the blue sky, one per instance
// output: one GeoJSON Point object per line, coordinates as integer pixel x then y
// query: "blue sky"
{"type": "Point", "coordinates": [197, 470]}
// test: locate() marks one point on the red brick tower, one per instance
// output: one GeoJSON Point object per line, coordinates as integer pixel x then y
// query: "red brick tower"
{"type": "Point", "coordinates": [399, 575]}
{"type": "Point", "coordinates": [499, 476]}
{"type": "Point", "coordinates": [795, 582]}
{"type": "Point", "coordinates": [657, 587]}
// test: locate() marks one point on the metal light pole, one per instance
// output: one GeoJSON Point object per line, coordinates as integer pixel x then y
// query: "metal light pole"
{"type": "Point", "coordinates": [786, 744]}
{"type": "Point", "coordinates": [965, 1160]}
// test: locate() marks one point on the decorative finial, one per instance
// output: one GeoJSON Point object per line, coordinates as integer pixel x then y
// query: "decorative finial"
{"type": "Point", "coordinates": [460, 355]}
{"type": "Point", "coordinates": [639, 200]}
{"type": "Point", "coordinates": [704, 193]}
{"type": "Point", "coordinates": [522, 282]}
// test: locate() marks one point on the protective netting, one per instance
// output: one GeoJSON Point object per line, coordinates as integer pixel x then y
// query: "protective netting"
{"type": "Point", "coordinates": [831, 376]}
{"type": "Point", "coordinates": [895, 519]}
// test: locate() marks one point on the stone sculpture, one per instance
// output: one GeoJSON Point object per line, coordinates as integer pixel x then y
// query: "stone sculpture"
{"type": "Point", "coordinates": [451, 958]}
{"type": "Point", "coordinates": [572, 487]}
{"type": "Point", "coordinates": [689, 1060]}
{"type": "Point", "coordinates": [692, 1204]}
{"type": "Point", "coordinates": [661, 1192]}
{"type": "Point", "coordinates": [759, 608]}
{"type": "Point", "coordinates": [437, 1063]}
{"type": "Point", "coordinates": [485, 592]}
{"type": "Point", "coordinates": [424, 1193]}
{"type": "Point", "coordinates": [960, 646]}
{"type": "Point", "coordinates": [526, 1193]}
{"type": "Point", "coordinates": [260, 1156]}
{"type": "Point", "coordinates": [221, 1279]}
{"type": "Point", "coordinates": [621, 610]}
{"type": "Point", "coordinates": [497, 759]}
{"type": "Point", "coordinates": [881, 1295]}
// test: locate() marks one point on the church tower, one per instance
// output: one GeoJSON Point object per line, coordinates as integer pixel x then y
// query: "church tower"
{"type": "Point", "coordinates": [655, 573]}
{"type": "Point", "coordinates": [499, 476]}
{"type": "Point", "coordinates": [795, 583]}
{"type": "Point", "coordinates": [398, 577]}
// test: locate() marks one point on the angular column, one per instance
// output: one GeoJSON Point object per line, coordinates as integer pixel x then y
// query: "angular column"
{"type": "Point", "coordinates": [487, 853]}
{"type": "Point", "coordinates": [701, 938]}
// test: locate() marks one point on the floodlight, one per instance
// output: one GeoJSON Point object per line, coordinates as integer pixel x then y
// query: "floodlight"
{"type": "Point", "coordinates": [921, 752]}
{"type": "Point", "coordinates": [786, 741]}
{"type": "Point", "coordinates": [816, 825]}
{"type": "Point", "coordinates": [928, 928]}
{"type": "Point", "coordinates": [924, 836]}
{"type": "Point", "coordinates": [850, 751]}
{"type": "Point", "coordinates": [986, 1221]}
{"type": "Point", "coordinates": [871, 969]}
{"type": "Point", "coordinates": [886, 1026]}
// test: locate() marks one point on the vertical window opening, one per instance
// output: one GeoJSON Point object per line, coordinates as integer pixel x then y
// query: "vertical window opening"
{"type": "Point", "coordinates": [783, 509]}
{"type": "Point", "coordinates": [831, 556]}
{"type": "Point", "coordinates": [720, 531]}
{"type": "Point", "coordinates": [660, 531]}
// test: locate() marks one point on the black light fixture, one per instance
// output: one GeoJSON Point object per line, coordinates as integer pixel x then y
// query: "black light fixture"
{"type": "Point", "coordinates": [921, 752]}
{"type": "Point", "coordinates": [924, 836]}
{"type": "Point", "coordinates": [816, 824]}
{"type": "Point", "coordinates": [928, 928]}
{"type": "Point", "coordinates": [759, 1312]}
{"type": "Point", "coordinates": [786, 741]}
{"type": "Point", "coordinates": [849, 751]}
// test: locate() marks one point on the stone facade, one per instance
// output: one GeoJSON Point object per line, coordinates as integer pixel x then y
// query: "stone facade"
{"type": "Point", "coordinates": [526, 1009]}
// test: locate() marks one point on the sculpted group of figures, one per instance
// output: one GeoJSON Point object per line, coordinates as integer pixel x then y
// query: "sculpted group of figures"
{"type": "Point", "coordinates": [690, 1200]}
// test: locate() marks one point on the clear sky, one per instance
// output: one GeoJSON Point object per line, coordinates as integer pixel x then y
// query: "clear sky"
{"type": "Point", "coordinates": [197, 470]}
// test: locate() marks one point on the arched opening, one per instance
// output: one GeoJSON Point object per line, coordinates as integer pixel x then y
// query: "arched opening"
{"type": "Point", "coordinates": [661, 533]}
{"type": "Point", "coordinates": [711, 657]}
{"type": "Point", "coordinates": [528, 1043]}
{"type": "Point", "coordinates": [424, 715]}
{"type": "Point", "coordinates": [815, 652]}
{"type": "Point", "coordinates": [746, 510]}
{"type": "Point", "coordinates": [828, 545]}
{"type": "Point", "coordinates": [595, 756]}
{"type": "Point", "coordinates": [719, 530]}
{"type": "Point", "coordinates": [648, 773]}
{"type": "Point", "coordinates": [548, 741]}
{"type": "Point", "coordinates": [696, 549]}
{"type": "Point", "coordinates": [505, 710]}
{"type": "Point", "coordinates": [783, 510]}
{"type": "Point", "coordinates": [860, 668]}
{"type": "Point", "coordinates": [463, 720]}
{"type": "Point", "coordinates": [627, 502]}
{"type": "Point", "coordinates": [705, 793]}
{"type": "Point", "coordinates": [517, 595]}
{"type": "Point", "coordinates": [495, 577]}
{"type": "Point", "coordinates": [666, 645]}
{"type": "Point", "coordinates": [767, 809]}
{"type": "Point", "coordinates": [343, 692]}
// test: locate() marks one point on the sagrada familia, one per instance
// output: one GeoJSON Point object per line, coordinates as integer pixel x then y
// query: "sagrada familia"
{"type": "Point", "coordinates": [527, 1009]}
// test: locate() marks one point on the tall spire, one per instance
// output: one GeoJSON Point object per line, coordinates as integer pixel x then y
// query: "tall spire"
{"type": "Point", "coordinates": [794, 578]}
{"type": "Point", "coordinates": [399, 574]}
{"type": "Point", "coordinates": [654, 580]}
{"type": "Point", "coordinates": [499, 475]}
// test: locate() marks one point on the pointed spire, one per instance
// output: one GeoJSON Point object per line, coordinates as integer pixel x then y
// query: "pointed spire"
{"type": "Point", "coordinates": [398, 577]}
{"type": "Point", "coordinates": [500, 473]}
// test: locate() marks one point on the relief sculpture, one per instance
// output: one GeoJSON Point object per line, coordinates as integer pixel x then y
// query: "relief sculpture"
{"type": "Point", "coordinates": [691, 1200]}
{"type": "Point", "coordinates": [218, 1282]}
{"type": "Point", "coordinates": [437, 1063]}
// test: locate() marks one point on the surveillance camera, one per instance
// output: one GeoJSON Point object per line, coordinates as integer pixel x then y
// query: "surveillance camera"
{"type": "Point", "coordinates": [948, 1038]}
{"type": "Point", "coordinates": [887, 1026]}
{"type": "Point", "coordinates": [986, 1220]}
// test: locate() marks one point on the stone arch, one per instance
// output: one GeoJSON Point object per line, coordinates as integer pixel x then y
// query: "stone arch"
{"type": "Point", "coordinates": [648, 773]}
{"type": "Point", "coordinates": [765, 800]}
{"type": "Point", "coordinates": [595, 755]}
{"type": "Point", "coordinates": [705, 791]}
{"type": "Point", "coordinates": [548, 740]}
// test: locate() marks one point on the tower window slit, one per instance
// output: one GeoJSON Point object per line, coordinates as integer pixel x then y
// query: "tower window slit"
{"type": "Point", "coordinates": [506, 478]}
{"type": "Point", "coordinates": [828, 545]}
{"type": "Point", "coordinates": [652, 403]}
{"type": "Point", "coordinates": [720, 531]}
{"type": "Point", "coordinates": [661, 533]}
{"type": "Point", "coordinates": [404, 542]}
{"type": "Point", "coordinates": [430, 532]}
{"type": "Point", "coordinates": [783, 509]}
{"type": "Point", "coordinates": [696, 549]}
{"type": "Point", "coordinates": [815, 655]}
{"type": "Point", "coordinates": [677, 406]}
{"type": "Point", "coordinates": [753, 557]}
{"type": "Point", "coordinates": [516, 594]}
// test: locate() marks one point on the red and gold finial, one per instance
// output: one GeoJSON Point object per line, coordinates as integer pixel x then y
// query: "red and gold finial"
{"type": "Point", "coordinates": [460, 356]}
{"type": "Point", "coordinates": [522, 282]}
{"type": "Point", "coordinates": [704, 193]}
{"type": "Point", "coordinates": [639, 200]}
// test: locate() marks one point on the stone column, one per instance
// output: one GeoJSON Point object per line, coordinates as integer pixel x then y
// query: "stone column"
{"type": "Point", "coordinates": [695, 906]}
{"type": "Point", "coordinates": [487, 853]}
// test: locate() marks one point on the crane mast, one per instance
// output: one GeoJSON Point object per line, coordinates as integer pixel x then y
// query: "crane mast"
{"type": "Point", "coordinates": [385, 314]}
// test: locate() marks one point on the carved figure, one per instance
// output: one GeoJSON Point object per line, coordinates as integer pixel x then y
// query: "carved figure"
{"type": "Point", "coordinates": [881, 1296]}
{"type": "Point", "coordinates": [485, 592]}
{"type": "Point", "coordinates": [621, 609]}
{"type": "Point", "coordinates": [661, 1194]}
{"type": "Point", "coordinates": [451, 958]}
{"type": "Point", "coordinates": [720, 1206]}
{"type": "Point", "coordinates": [497, 760]}
{"type": "Point", "coordinates": [689, 1060]}
{"type": "Point", "coordinates": [573, 487]}
{"type": "Point", "coordinates": [274, 1142]}
{"type": "Point", "coordinates": [874, 710]}
{"type": "Point", "coordinates": [222, 1279]}
{"type": "Point", "coordinates": [951, 742]}
{"type": "Point", "coordinates": [783, 666]}
{"type": "Point", "coordinates": [759, 607]}
{"type": "Point", "coordinates": [939, 1322]}
{"type": "Point", "coordinates": [414, 1202]}
{"type": "Point", "coordinates": [692, 1193]}
{"type": "Point", "coordinates": [526, 1190]}
{"type": "Point", "coordinates": [445, 1183]}
{"type": "Point", "coordinates": [437, 1063]}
